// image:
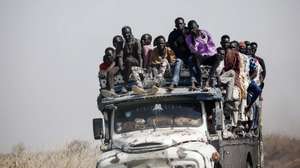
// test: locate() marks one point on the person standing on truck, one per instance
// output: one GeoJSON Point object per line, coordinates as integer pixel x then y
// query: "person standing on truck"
{"type": "Point", "coordinates": [202, 48]}
{"type": "Point", "coordinates": [146, 40]}
{"type": "Point", "coordinates": [163, 57]}
{"type": "Point", "coordinates": [132, 53]}
{"type": "Point", "coordinates": [261, 62]}
{"type": "Point", "coordinates": [225, 42]}
{"type": "Point", "coordinates": [253, 93]}
{"type": "Point", "coordinates": [230, 74]}
{"type": "Point", "coordinates": [118, 43]}
{"type": "Point", "coordinates": [108, 69]}
{"type": "Point", "coordinates": [244, 76]}
{"type": "Point", "coordinates": [257, 74]}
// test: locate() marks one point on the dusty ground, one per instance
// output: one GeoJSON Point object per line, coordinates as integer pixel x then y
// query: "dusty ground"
{"type": "Point", "coordinates": [280, 152]}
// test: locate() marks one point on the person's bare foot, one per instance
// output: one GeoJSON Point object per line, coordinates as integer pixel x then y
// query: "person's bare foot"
{"type": "Point", "coordinates": [193, 87]}
{"type": "Point", "coordinates": [170, 88]}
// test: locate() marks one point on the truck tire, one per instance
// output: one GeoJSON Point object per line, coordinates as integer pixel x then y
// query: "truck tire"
{"type": "Point", "coordinates": [249, 163]}
{"type": "Point", "coordinates": [217, 165]}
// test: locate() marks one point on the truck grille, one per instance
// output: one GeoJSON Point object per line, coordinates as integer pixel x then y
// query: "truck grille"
{"type": "Point", "coordinates": [145, 147]}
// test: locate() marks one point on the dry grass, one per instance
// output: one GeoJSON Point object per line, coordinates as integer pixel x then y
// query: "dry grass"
{"type": "Point", "coordinates": [280, 151]}
{"type": "Point", "coordinates": [77, 154]}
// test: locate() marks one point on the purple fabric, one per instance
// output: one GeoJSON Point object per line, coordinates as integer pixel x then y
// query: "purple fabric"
{"type": "Point", "coordinates": [202, 46]}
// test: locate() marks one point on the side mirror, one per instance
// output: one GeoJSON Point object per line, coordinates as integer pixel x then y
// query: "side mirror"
{"type": "Point", "coordinates": [98, 128]}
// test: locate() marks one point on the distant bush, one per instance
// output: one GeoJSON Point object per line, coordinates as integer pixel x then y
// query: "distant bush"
{"type": "Point", "coordinates": [77, 146]}
{"type": "Point", "coordinates": [76, 154]}
{"type": "Point", "coordinates": [18, 149]}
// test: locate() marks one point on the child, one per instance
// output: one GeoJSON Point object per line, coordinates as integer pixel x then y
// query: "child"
{"type": "Point", "coordinates": [146, 40]}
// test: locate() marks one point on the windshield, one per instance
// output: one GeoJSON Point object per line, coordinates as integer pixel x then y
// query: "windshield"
{"type": "Point", "coordinates": [159, 115]}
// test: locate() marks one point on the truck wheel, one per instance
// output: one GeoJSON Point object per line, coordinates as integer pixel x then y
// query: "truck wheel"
{"type": "Point", "coordinates": [249, 164]}
{"type": "Point", "coordinates": [217, 165]}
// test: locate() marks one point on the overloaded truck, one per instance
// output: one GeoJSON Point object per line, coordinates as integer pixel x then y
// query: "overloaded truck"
{"type": "Point", "coordinates": [178, 129]}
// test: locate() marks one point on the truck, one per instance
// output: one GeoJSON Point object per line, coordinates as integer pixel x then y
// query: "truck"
{"type": "Point", "coordinates": [178, 129]}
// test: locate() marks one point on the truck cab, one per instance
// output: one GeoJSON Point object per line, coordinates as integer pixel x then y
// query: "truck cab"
{"type": "Point", "coordinates": [165, 130]}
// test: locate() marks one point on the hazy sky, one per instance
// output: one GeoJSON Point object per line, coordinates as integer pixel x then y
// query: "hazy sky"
{"type": "Point", "coordinates": [50, 51]}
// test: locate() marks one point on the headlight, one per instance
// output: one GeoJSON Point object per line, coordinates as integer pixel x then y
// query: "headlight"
{"type": "Point", "coordinates": [215, 157]}
{"type": "Point", "coordinates": [183, 164]}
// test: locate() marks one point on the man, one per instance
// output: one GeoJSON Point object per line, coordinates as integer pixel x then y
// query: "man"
{"type": "Point", "coordinates": [202, 48]}
{"type": "Point", "coordinates": [118, 43]}
{"type": "Point", "coordinates": [146, 40]}
{"type": "Point", "coordinates": [132, 53]}
{"type": "Point", "coordinates": [221, 53]}
{"type": "Point", "coordinates": [253, 93]}
{"type": "Point", "coordinates": [244, 76]}
{"type": "Point", "coordinates": [232, 61]}
{"type": "Point", "coordinates": [231, 77]}
{"type": "Point", "coordinates": [162, 57]}
{"type": "Point", "coordinates": [143, 76]}
{"type": "Point", "coordinates": [176, 41]}
{"type": "Point", "coordinates": [257, 73]}
{"type": "Point", "coordinates": [108, 69]}
{"type": "Point", "coordinates": [260, 61]}
{"type": "Point", "coordinates": [225, 42]}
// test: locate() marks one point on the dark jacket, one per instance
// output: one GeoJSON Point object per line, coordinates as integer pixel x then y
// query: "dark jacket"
{"type": "Point", "coordinates": [176, 41]}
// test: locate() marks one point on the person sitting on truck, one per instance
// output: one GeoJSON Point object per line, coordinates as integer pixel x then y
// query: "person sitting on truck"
{"type": "Point", "coordinates": [108, 69]}
{"type": "Point", "coordinates": [132, 53]}
{"type": "Point", "coordinates": [162, 58]}
{"type": "Point", "coordinates": [146, 40]}
{"type": "Point", "coordinates": [202, 48]}
{"type": "Point", "coordinates": [176, 41]}
{"type": "Point", "coordinates": [143, 76]}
